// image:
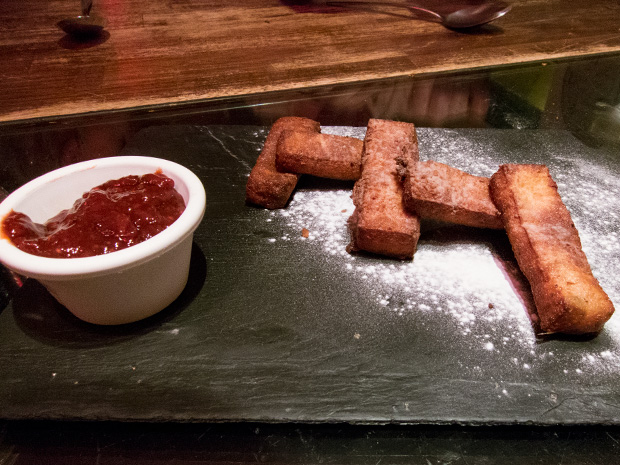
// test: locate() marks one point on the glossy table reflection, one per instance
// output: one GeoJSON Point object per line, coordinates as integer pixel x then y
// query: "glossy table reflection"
{"type": "Point", "coordinates": [174, 52]}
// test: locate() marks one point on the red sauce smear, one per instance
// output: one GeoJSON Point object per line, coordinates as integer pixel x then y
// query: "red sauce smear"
{"type": "Point", "coordinates": [110, 217]}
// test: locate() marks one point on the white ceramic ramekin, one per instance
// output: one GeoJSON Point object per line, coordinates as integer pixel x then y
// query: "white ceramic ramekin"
{"type": "Point", "coordinates": [123, 286]}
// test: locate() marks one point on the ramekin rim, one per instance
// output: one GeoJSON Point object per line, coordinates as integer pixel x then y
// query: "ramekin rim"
{"type": "Point", "coordinates": [73, 268]}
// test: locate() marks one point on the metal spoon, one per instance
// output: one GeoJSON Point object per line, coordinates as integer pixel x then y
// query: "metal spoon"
{"type": "Point", "coordinates": [462, 14]}
{"type": "Point", "coordinates": [85, 25]}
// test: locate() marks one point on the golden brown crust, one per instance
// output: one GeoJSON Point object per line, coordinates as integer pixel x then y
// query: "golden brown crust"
{"type": "Point", "coordinates": [266, 186]}
{"type": "Point", "coordinates": [323, 155]}
{"type": "Point", "coordinates": [547, 247]}
{"type": "Point", "coordinates": [380, 223]}
{"type": "Point", "coordinates": [438, 191]}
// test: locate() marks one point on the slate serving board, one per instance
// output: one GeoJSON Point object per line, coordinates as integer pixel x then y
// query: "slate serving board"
{"type": "Point", "coordinates": [274, 326]}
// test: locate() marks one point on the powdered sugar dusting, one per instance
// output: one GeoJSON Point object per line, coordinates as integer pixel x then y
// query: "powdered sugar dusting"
{"type": "Point", "coordinates": [468, 280]}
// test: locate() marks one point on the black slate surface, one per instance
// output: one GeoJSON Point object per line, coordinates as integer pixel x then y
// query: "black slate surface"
{"type": "Point", "coordinates": [276, 327]}
{"type": "Point", "coordinates": [34, 443]}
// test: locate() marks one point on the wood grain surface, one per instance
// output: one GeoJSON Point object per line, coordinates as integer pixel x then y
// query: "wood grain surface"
{"type": "Point", "coordinates": [173, 51]}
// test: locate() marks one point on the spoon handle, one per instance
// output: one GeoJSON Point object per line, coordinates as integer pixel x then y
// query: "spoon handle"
{"type": "Point", "coordinates": [407, 5]}
{"type": "Point", "coordinates": [86, 6]}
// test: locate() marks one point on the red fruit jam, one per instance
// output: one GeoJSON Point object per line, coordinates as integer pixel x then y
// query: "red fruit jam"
{"type": "Point", "coordinates": [113, 216]}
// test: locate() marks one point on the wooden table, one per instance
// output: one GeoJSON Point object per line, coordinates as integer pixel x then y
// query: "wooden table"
{"type": "Point", "coordinates": [178, 51]}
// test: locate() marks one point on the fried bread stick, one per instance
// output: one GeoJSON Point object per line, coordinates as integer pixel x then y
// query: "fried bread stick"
{"type": "Point", "coordinates": [266, 186]}
{"type": "Point", "coordinates": [437, 191]}
{"type": "Point", "coordinates": [547, 247]}
{"type": "Point", "coordinates": [324, 155]}
{"type": "Point", "coordinates": [381, 223]}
